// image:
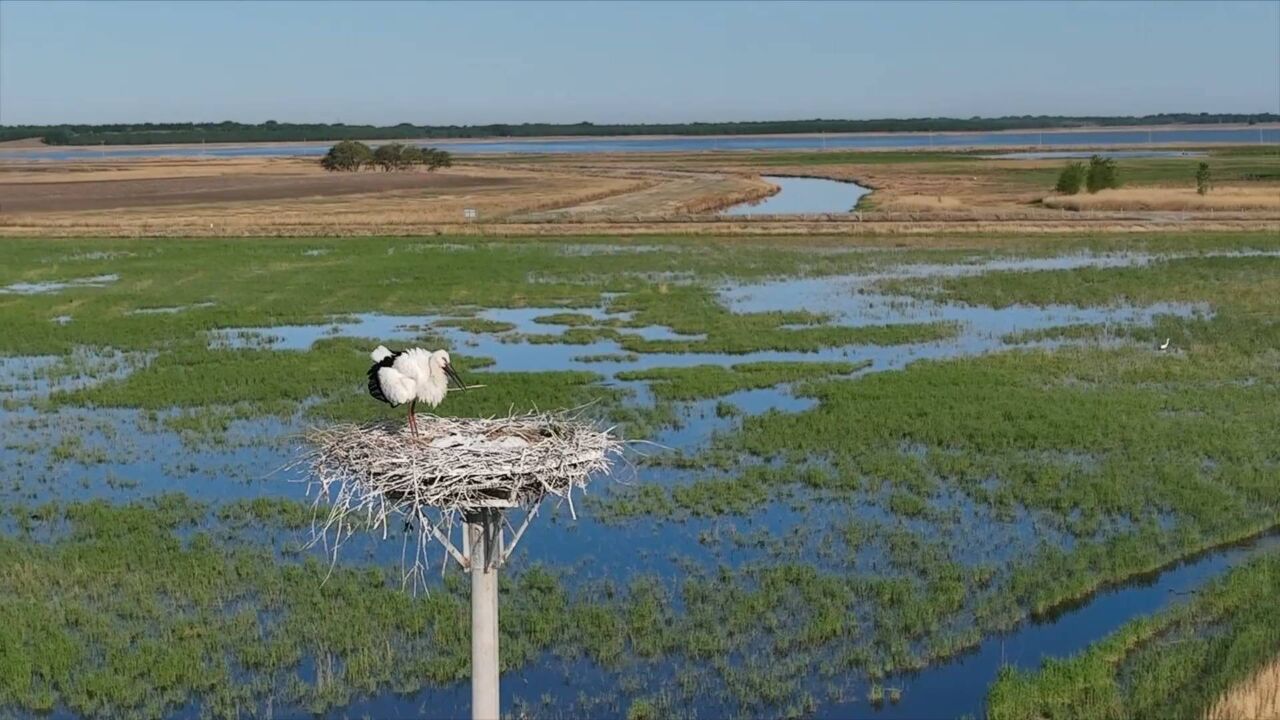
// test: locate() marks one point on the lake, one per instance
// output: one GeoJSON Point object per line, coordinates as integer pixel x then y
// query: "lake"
{"type": "Point", "coordinates": [586, 146]}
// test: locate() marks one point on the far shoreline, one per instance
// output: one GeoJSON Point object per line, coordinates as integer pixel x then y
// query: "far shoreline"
{"type": "Point", "coordinates": [32, 144]}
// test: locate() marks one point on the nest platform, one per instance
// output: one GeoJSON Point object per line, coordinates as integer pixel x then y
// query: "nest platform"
{"type": "Point", "coordinates": [453, 470]}
{"type": "Point", "coordinates": [458, 464]}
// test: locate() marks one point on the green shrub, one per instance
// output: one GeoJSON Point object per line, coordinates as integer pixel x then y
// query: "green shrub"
{"type": "Point", "coordinates": [1203, 179]}
{"type": "Point", "coordinates": [351, 156]}
{"type": "Point", "coordinates": [391, 156]}
{"type": "Point", "coordinates": [1071, 179]}
{"type": "Point", "coordinates": [348, 156]}
{"type": "Point", "coordinates": [1102, 174]}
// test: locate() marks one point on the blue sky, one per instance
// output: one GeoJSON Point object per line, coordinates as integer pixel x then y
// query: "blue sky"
{"type": "Point", "coordinates": [438, 63]}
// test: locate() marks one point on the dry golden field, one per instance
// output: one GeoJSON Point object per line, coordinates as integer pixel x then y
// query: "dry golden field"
{"type": "Point", "coordinates": [672, 194]}
{"type": "Point", "coordinates": [654, 193]}
{"type": "Point", "coordinates": [1157, 198]}
{"type": "Point", "coordinates": [1257, 698]}
{"type": "Point", "coordinates": [966, 187]}
{"type": "Point", "coordinates": [275, 196]}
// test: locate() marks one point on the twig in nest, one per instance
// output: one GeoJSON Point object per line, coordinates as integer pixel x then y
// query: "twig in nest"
{"type": "Point", "coordinates": [365, 474]}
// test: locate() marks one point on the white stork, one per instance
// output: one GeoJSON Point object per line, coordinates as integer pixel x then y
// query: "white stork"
{"type": "Point", "coordinates": [1165, 346]}
{"type": "Point", "coordinates": [411, 376]}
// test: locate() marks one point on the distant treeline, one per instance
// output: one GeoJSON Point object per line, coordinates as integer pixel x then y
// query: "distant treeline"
{"type": "Point", "coordinates": [272, 131]}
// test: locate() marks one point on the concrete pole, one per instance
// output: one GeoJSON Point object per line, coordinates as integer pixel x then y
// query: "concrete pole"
{"type": "Point", "coordinates": [484, 530]}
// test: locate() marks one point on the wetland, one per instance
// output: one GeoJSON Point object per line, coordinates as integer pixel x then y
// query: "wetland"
{"type": "Point", "coordinates": [868, 482]}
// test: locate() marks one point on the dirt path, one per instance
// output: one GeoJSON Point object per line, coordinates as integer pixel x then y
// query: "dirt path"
{"type": "Point", "coordinates": [672, 194]}
{"type": "Point", "coordinates": [364, 222]}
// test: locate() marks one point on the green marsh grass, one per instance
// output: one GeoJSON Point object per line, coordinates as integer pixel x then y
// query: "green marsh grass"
{"type": "Point", "coordinates": [476, 325]}
{"type": "Point", "coordinates": [607, 358]}
{"type": "Point", "coordinates": [1172, 664]}
{"type": "Point", "coordinates": [570, 319]}
{"type": "Point", "coordinates": [710, 381]}
{"type": "Point", "coordinates": [1243, 281]}
{"type": "Point", "coordinates": [1133, 458]}
{"type": "Point", "coordinates": [1077, 331]}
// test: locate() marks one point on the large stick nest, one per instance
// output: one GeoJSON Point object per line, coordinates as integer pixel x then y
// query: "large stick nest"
{"type": "Point", "coordinates": [460, 463]}
{"type": "Point", "coordinates": [367, 474]}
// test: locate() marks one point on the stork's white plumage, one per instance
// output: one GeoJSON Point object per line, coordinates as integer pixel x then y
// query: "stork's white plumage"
{"type": "Point", "coordinates": [411, 376]}
{"type": "Point", "coordinates": [1165, 346]}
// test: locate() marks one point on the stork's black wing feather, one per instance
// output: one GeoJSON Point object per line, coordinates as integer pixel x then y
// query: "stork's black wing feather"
{"type": "Point", "coordinates": [375, 387]}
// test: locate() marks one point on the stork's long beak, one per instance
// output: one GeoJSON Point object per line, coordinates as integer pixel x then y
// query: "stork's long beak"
{"type": "Point", "coordinates": [454, 376]}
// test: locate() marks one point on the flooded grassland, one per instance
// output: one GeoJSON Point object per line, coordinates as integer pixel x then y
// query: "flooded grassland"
{"type": "Point", "coordinates": [872, 477]}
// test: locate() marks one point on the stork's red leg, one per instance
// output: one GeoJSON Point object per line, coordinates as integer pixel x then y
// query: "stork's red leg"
{"type": "Point", "coordinates": [413, 421]}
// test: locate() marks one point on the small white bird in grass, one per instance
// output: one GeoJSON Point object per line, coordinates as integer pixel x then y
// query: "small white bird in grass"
{"type": "Point", "coordinates": [1165, 345]}
{"type": "Point", "coordinates": [411, 376]}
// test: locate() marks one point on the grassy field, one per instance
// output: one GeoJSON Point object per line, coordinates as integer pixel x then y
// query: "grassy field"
{"type": "Point", "coordinates": [822, 526]}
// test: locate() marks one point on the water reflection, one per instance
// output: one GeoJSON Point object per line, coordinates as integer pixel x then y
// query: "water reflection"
{"type": "Point", "coordinates": [803, 196]}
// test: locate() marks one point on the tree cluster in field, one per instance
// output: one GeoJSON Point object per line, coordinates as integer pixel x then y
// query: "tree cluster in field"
{"type": "Point", "coordinates": [1101, 173]}
{"type": "Point", "coordinates": [352, 156]}
{"type": "Point", "coordinates": [272, 131]}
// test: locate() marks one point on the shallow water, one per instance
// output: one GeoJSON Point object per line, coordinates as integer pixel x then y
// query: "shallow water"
{"type": "Point", "coordinates": [952, 689]}
{"type": "Point", "coordinates": [850, 300]}
{"type": "Point", "coordinates": [959, 687]}
{"type": "Point", "coordinates": [171, 310]}
{"type": "Point", "coordinates": [36, 376]}
{"type": "Point", "coordinates": [803, 196]}
{"type": "Point", "coordinates": [23, 288]}
{"type": "Point", "coordinates": [387, 328]}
